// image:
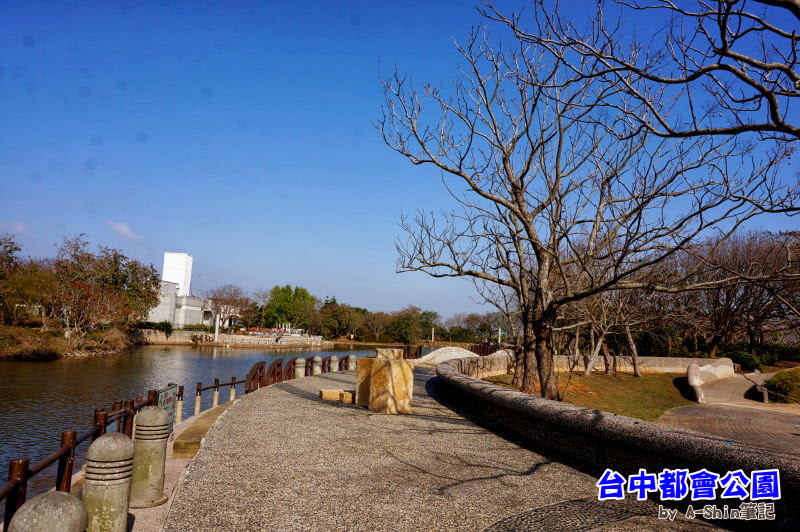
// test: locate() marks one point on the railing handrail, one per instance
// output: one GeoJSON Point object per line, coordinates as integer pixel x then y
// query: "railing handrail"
{"type": "Point", "coordinates": [7, 487]}
{"type": "Point", "coordinates": [222, 385]}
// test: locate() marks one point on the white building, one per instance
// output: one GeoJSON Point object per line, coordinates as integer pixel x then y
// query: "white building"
{"type": "Point", "coordinates": [178, 270]}
{"type": "Point", "coordinates": [176, 304]}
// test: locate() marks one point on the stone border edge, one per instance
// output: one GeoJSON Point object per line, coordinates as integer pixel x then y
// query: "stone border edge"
{"type": "Point", "coordinates": [603, 439]}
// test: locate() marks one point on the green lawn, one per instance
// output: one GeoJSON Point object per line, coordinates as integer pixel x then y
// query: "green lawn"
{"type": "Point", "coordinates": [645, 397]}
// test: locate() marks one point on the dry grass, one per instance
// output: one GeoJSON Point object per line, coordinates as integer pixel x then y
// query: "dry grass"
{"type": "Point", "coordinates": [645, 397]}
{"type": "Point", "coordinates": [28, 343]}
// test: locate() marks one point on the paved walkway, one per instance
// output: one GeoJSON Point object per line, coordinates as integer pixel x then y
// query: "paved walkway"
{"type": "Point", "coordinates": [773, 427]}
{"type": "Point", "coordinates": [281, 459]}
{"type": "Point", "coordinates": [728, 414]}
{"type": "Point", "coordinates": [732, 389]}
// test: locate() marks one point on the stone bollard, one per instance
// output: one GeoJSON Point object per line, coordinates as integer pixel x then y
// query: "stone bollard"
{"type": "Point", "coordinates": [179, 406]}
{"type": "Point", "coordinates": [198, 398]}
{"type": "Point", "coordinates": [149, 457]}
{"type": "Point", "coordinates": [334, 363]}
{"type": "Point", "coordinates": [299, 368]}
{"type": "Point", "coordinates": [53, 511]}
{"type": "Point", "coordinates": [107, 483]}
{"type": "Point", "coordinates": [351, 362]}
{"type": "Point", "coordinates": [215, 395]}
{"type": "Point", "coordinates": [316, 365]}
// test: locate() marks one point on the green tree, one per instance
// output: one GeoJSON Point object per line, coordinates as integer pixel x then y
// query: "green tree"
{"type": "Point", "coordinates": [8, 253]}
{"type": "Point", "coordinates": [137, 284]}
{"type": "Point", "coordinates": [284, 304]}
{"type": "Point", "coordinates": [338, 319]}
{"type": "Point", "coordinates": [104, 288]}
{"type": "Point", "coordinates": [407, 325]}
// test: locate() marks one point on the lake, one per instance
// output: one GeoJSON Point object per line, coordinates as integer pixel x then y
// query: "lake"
{"type": "Point", "coordinates": [38, 400]}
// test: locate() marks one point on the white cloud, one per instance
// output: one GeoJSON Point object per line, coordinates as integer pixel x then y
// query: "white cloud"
{"type": "Point", "coordinates": [123, 230]}
{"type": "Point", "coordinates": [18, 228]}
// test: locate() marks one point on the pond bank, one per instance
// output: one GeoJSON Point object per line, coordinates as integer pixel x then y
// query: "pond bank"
{"type": "Point", "coordinates": [32, 344]}
{"type": "Point", "coordinates": [200, 338]}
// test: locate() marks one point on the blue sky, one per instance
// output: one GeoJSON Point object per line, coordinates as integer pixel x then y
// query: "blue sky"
{"type": "Point", "coordinates": [238, 134]}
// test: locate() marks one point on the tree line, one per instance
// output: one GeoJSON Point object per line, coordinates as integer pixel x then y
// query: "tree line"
{"type": "Point", "coordinates": [751, 316]}
{"type": "Point", "coordinates": [299, 309]}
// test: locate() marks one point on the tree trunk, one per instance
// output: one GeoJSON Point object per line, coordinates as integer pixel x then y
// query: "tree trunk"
{"type": "Point", "coordinates": [528, 348]}
{"type": "Point", "coordinates": [715, 341]}
{"type": "Point", "coordinates": [751, 337]}
{"type": "Point", "coordinates": [595, 350]}
{"type": "Point", "coordinates": [637, 371]}
{"type": "Point", "coordinates": [519, 365]}
{"type": "Point", "coordinates": [606, 357]}
{"type": "Point", "coordinates": [544, 360]}
{"type": "Point", "coordinates": [530, 367]}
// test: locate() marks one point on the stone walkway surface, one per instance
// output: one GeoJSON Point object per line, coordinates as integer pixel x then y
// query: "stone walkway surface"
{"type": "Point", "coordinates": [281, 459]}
{"type": "Point", "coordinates": [732, 389]}
{"type": "Point", "coordinates": [728, 414]}
{"type": "Point", "coordinates": [770, 426]}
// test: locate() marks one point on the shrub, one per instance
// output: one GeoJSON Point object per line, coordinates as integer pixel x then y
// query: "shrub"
{"type": "Point", "coordinates": [785, 383]}
{"type": "Point", "coordinates": [198, 327]}
{"type": "Point", "coordinates": [685, 353]}
{"type": "Point", "coordinates": [164, 326]}
{"type": "Point", "coordinates": [679, 352]}
{"type": "Point", "coordinates": [745, 359]}
{"type": "Point", "coordinates": [771, 354]}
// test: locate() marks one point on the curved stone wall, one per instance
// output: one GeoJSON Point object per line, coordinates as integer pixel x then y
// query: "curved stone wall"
{"type": "Point", "coordinates": [443, 354]}
{"type": "Point", "coordinates": [713, 370]}
{"type": "Point", "coordinates": [605, 440]}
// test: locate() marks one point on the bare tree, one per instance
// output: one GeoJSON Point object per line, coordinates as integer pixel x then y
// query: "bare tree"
{"type": "Point", "coordinates": [376, 323]}
{"type": "Point", "coordinates": [740, 311]}
{"type": "Point", "coordinates": [227, 301]}
{"type": "Point", "coordinates": [727, 67]}
{"type": "Point", "coordinates": [559, 196]}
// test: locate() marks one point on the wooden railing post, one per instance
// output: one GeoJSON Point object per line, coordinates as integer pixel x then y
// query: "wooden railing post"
{"type": "Point", "coordinates": [215, 395]}
{"type": "Point", "coordinates": [17, 470]}
{"type": "Point", "coordinates": [233, 389]}
{"type": "Point", "coordinates": [128, 428]}
{"type": "Point", "coordinates": [152, 397]}
{"type": "Point", "coordinates": [116, 407]}
{"type": "Point", "coordinates": [198, 397]}
{"type": "Point", "coordinates": [100, 421]}
{"type": "Point", "coordinates": [179, 405]}
{"type": "Point", "coordinates": [64, 475]}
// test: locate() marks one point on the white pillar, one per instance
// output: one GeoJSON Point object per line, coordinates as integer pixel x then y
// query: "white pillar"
{"type": "Point", "coordinates": [216, 328]}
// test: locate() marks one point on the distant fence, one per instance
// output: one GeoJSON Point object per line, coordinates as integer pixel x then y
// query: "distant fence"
{"type": "Point", "coordinates": [487, 348]}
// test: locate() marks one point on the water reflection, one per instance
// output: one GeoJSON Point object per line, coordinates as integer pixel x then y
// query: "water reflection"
{"type": "Point", "coordinates": [38, 400]}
